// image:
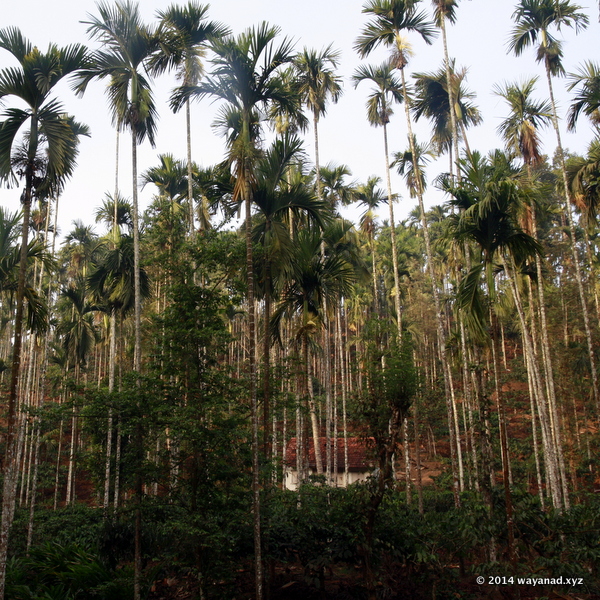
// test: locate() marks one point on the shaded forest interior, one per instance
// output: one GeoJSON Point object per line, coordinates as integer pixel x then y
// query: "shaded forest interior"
{"type": "Point", "coordinates": [161, 381]}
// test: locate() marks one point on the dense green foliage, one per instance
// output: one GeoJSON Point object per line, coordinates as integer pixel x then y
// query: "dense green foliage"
{"type": "Point", "coordinates": [188, 396]}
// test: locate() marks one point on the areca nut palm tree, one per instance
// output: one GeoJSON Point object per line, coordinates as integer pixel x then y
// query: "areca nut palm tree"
{"type": "Point", "coordinates": [433, 101]}
{"type": "Point", "coordinates": [247, 76]}
{"type": "Point", "coordinates": [111, 283]}
{"type": "Point", "coordinates": [587, 100]}
{"type": "Point", "coordinates": [127, 45]}
{"type": "Point", "coordinates": [584, 181]}
{"type": "Point", "coordinates": [488, 198]}
{"type": "Point", "coordinates": [170, 177]}
{"type": "Point", "coordinates": [317, 82]}
{"type": "Point", "coordinates": [278, 200]}
{"type": "Point", "coordinates": [370, 196]}
{"type": "Point", "coordinates": [390, 21]}
{"type": "Point", "coordinates": [387, 90]}
{"type": "Point", "coordinates": [10, 260]}
{"type": "Point", "coordinates": [520, 129]}
{"type": "Point", "coordinates": [45, 157]}
{"type": "Point", "coordinates": [335, 190]}
{"type": "Point", "coordinates": [534, 20]}
{"type": "Point", "coordinates": [446, 10]}
{"type": "Point", "coordinates": [116, 213]}
{"type": "Point", "coordinates": [409, 165]}
{"type": "Point", "coordinates": [184, 34]}
{"type": "Point", "coordinates": [316, 280]}
{"type": "Point", "coordinates": [520, 132]}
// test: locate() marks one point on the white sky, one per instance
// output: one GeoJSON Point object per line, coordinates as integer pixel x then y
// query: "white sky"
{"type": "Point", "coordinates": [477, 41]}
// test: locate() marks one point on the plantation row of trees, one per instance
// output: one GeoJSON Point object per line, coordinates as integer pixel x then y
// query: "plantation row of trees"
{"type": "Point", "coordinates": [158, 371]}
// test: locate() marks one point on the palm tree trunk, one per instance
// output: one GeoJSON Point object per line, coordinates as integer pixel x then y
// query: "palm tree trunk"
{"type": "Point", "coordinates": [41, 384]}
{"type": "Point", "coordinates": [113, 341]}
{"type": "Point", "coordinates": [506, 479]}
{"type": "Point", "coordinates": [328, 392]}
{"type": "Point", "coordinates": [436, 299]}
{"type": "Point", "coordinates": [393, 234]}
{"type": "Point", "coordinates": [258, 574]}
{"type": "Point", "coordinates": [58, 454]}
{"type": "Point", "coordinates": [344, 386]}
{"type": "Point", "coordinates": [571, 225]}
{"type": "Point", "coordinates": [451, 98]}
{"type": "Point", "coordinates": [593, 272]}
{"type": "Point", "coordinates": [188, 123]}
{"type": "Point", "coordinates": [137, 356]}
{"type": "Point", "coordinates": [326, 333]}
{"type": "Point", "coordinates": [111, 387]}
{"type": "Point", "coordinates": [469, 399]}
{"type": "Point", "coordinates": [137, 365]}
{"type": "Point", "coordinates": [10, 466]}
{"type": "Point", "coordinates": [267, 364]}
{"type": "Point", "coordinates": [466, 140]}
{"type": "Point", "coordinates": [407, 470]}
{"type": "Point", "coordinates": [374, 273]}
{"type": "Point", "coordinates": [549, 372]}
{"type": "Point", "coordinates": [312, 408]}
{"type": "Point", "coordinates": [534, 433]}
{"type": "Point", "coordinates": [117, 489]}
{"type": "Point", "coordinates": [25, 469]}
{"type": "Point", "coordinates": [32, 499]}
{"type": "Point", "coordinates": [549, 450]}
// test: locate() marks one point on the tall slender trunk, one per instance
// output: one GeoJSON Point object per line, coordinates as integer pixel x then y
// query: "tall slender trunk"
{"type": "Point", "coordinates": [534, 433]}
{"type": "Point", "coordinates": [267, 364]}
{"type": "Point", "coordinates": [436, 299]}
{"type": "Point", "coordinates": [258, 567]}
{"type": "Point", "coordinates": [9, 466]}
{"type": "Point", "coordinates": [344, 377]}
{"type": "Point", "coordinates": [113, 343]}
{"type": "Point", "coordinates": [506, 479]}
{"type": "Point", "coordinates": [41, 383]}
{"type": "Point", "coordinates": [466, 140]}
{"type": "Point", "coordinates": [549, 449]}
{"type": "Point", "coordinates": [137, 366]}
{"type": "Point", "coordinates": [374, 274]}
{"type": "Point", "coordinates": [549, 371]}
{"type": "Point", "coordinates": [451, 96]}
{"type": "Point", "coordinates": [468, 406]}
{"type": "Point", "coordinates": [327, 345]}
{"type": "Point", "coordinates": [407, 469]}
{"type": "Point", "coordinates": [109, 425]}
{"type": "Point", "coordinates": [571, 225]}
{"type": "Point", "coordinates": [418, 454]}
{"type": "Point", "coordinates": [188, 123]}
{"type": "Point", "coordinates": [137, 356]}
{"type": "Point", "coordinates": [312, 408]}
{"type": "Point", "coordinates": [393, 234]}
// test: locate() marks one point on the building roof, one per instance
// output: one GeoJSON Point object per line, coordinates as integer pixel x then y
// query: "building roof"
{"type": "Point", "coordinates": [358, 456]}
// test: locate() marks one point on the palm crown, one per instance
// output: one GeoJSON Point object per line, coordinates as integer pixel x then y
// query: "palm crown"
{"type": "Point", "coordinates": [534, 18]}
{"type": "Point", "coordinates": [433, 101]}
{"type": "Point", "coordinates": [183, 36]}
{"type": "Point", "coordinates": [520, 129]}
{"type": "Point", "coordinates": [32, 82]}
{"type": "Point", "coordinates": [387, 90]}
{"type": "Point", "coordinates": [316, 80]}
{"type": "Point", "coordinates": [127, 44]}
{"type": "Point", "coordinates": [587, 80]}
{"type": "Point", "coordinates": [390, 19]}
